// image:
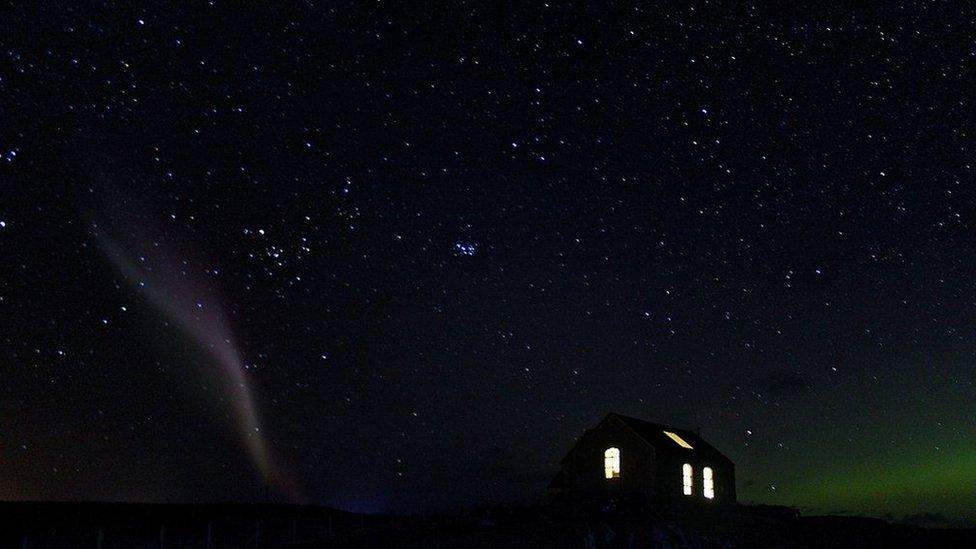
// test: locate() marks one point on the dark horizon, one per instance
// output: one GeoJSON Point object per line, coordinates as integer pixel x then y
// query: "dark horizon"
{"type": "Point", "coordinates": [396, 260]}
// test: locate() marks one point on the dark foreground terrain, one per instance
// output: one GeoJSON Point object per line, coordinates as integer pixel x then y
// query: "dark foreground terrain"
{"type": "Point", "coordinates": [117, 525]}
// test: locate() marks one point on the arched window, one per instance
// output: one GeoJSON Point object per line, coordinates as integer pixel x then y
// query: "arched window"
{"type": "Point", "coordinates": [611, 463]}
{"type": "Point", "coordinates": [708, 483]}
{"type": "Point", "coordinates": [687, 476]}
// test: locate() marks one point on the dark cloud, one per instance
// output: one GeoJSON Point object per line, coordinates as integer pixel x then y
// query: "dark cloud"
{"type": "Point", "coordinates": [785, 382]}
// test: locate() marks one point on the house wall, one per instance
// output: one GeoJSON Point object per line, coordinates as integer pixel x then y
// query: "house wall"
{"type": "Point", "coordinates": [725, 485]}
{"type": "Point", "coordinates": [583, 468]}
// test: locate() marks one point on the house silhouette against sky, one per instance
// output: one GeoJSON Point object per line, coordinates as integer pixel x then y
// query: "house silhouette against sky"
{"type": "Point", "coordinates": [631, 461]}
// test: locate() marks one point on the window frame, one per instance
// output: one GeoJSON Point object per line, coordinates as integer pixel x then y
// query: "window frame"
{"type": "Point", "coordinates": [611, 463]}
{"type": "Point", "coordinates": [708, 483]}
{"type": "Point", "coordinates": [678, 440]}
{"type": "Point", "coordinates": [688, 479]}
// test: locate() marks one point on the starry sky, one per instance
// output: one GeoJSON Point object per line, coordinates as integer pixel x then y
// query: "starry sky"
{"type": "Point", "coordinates": [391, 258]}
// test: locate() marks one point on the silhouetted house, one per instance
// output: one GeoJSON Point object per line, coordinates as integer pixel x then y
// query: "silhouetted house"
{"type": "Point", "coordinates": [629, 461]}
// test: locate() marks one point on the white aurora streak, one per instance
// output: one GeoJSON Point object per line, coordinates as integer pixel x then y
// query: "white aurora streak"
{"type": "Point", "coordinates": [190, 303]}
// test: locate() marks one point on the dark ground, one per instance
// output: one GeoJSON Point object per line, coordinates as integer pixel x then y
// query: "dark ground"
{"type": "Point", "coordinates": [110, 525]}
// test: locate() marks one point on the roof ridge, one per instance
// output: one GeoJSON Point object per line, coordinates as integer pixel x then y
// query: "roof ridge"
{"type": "Point", "coordinates": [654, 423]}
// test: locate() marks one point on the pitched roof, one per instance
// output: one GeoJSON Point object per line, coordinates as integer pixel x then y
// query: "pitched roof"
{"type": "Point", "coordinates": [656, 435]}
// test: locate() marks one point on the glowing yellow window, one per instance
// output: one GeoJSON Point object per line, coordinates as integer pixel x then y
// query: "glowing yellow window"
{"type": "Point", "coordinates": [611, 463]}
{"type": "Point", "coordinates": [678, 440]}
{"type": "Point", "coordinates": [687, 476]}
{"type": "Point", "coordinates": [708, 483]}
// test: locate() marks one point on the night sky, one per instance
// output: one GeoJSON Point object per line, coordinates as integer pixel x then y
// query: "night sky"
{"type": "Point", "coordinates": [392, 258]}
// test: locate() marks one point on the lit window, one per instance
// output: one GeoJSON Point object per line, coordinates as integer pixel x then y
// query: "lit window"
{"type": "Point", "coordinates": [708, 483]}
{"type": "Point", "coordinates": [687, 476]}
{"type": "Point", "coordinates": [611, 463]}
{"type": "Point", "coordinates": [680, 441]}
